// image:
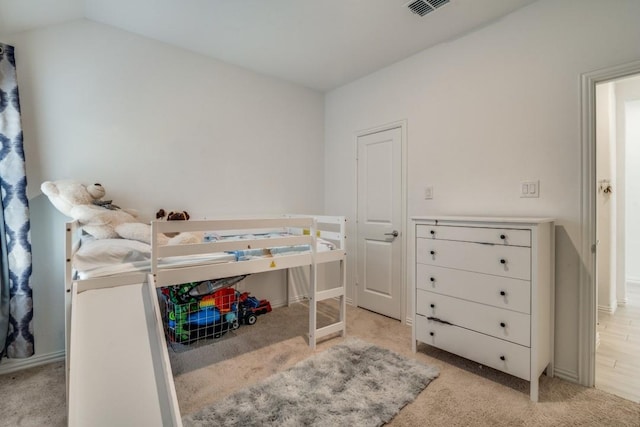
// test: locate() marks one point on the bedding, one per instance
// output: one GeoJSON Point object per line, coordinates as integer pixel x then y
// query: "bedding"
{"type": "Point", "coordinates": [108, 257]}
{"type": "Point", "coordinates": [95, 253]}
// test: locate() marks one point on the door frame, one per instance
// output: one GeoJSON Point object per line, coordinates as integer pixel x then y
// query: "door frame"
{"type": "Point", "coordinates": [402, 124]}
{"type": "Point", "coordinates": [587, 311]}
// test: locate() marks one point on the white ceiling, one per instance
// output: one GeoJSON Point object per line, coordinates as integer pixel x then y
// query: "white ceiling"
{"type": "Point", "coordinates": [321, 44]}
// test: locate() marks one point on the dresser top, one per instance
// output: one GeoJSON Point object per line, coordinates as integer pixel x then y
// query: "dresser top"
{"type": "Point", "coordinates": [483, 219]}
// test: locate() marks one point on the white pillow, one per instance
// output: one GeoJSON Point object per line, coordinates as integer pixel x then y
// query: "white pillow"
{"type": "Point", "coordinates": [102, 252]}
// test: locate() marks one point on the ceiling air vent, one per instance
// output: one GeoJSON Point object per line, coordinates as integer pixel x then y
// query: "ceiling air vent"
{"type": "Point", "coordinates": [422, 7]}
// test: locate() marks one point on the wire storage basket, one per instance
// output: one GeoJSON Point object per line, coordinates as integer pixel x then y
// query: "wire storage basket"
{"type": "Point", "coordinates": [191, 318]}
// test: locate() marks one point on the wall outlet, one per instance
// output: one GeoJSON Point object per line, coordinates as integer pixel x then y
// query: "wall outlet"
{"type": "Point", "coordinates": [428, 192]}
{"type": "Point", "coordinates": [529, 188]}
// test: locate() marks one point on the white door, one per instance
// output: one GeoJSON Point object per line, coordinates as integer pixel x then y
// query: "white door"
{"type": "Point", "coordinates": [379, 245]}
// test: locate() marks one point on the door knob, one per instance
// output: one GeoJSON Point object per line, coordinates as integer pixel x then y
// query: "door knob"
{"type": "Point", "coordinates": [394, 233]}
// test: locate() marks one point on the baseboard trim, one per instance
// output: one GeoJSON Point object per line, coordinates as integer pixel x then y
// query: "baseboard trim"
{"type": "Point", "coordinates": [13, 365]}
{"type": "Point", "coordinates": [606, 309]}
{"type": "Point", "coordinates": [299, 298]}
{"type": "Point", "coordinates": [566, 375]}
{"type": "Point", "coordinates": [634, 281]}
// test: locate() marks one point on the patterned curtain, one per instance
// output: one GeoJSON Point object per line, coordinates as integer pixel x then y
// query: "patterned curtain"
{"type": "Point", "coordinates": [16, 307]}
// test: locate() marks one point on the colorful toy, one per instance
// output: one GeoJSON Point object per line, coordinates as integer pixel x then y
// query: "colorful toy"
{"type": "Point", "coordinates": [223, 299]}
{"type": "Point", "coordinates": [191, 318]}
{"type": "Point", "coordinates": [209, 286]}
{"type": "Point", "coordinates": [251, 307]}
{"type": "Point", "coordinates": [204, 317]}
{"type": "Point", "coordinates": [207, 301]}
{"type": "Point", "coordinates": [179, 320]}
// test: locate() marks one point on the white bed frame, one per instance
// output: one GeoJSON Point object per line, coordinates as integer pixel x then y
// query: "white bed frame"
{"type": "Point", "coordinates": [118, 370]}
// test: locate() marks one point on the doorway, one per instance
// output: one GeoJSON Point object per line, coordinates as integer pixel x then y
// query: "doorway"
{"type": "Point", "coordinates": [588, 301]}
{"type": "Point", "coordinates": [617, 204]}
{"type": "Point", "coordinates": [380, 246]}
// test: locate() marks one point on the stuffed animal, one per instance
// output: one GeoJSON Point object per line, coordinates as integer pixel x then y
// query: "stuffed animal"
{"type": "Point", "coordinates": [172, 216]}
{"type": "Point", "coordinates": [101, 218]}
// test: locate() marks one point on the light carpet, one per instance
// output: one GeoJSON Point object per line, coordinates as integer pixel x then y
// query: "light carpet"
{"type": "Point", "coordinates": [354, 383]}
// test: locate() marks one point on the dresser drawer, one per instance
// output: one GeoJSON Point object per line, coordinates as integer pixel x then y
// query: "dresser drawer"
{"type": "Point", "coordinates": [497, 322]}
{"type": "Point", "coordinates": [497, 236]}
{"type": "Point", "coordinates": [508, 261]}
{"type": "Point", "coordinates": [503, 292]}
{"type": "Point", "coordinates": [505, 356]}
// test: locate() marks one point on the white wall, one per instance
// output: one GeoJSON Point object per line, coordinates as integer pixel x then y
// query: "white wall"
{"type": "Point", "coordinates": [488, 110]}
{"type": "Point", "coordinates": [627, 101]}
{"type": "Point", "coordinates": [159, 127]}
{"type": "Point", "coordinates": [632, 141]}
{"type": "Point", "coordinates": [29, 14]}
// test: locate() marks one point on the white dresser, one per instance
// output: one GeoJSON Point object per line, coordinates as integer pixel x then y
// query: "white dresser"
{"type": "Point", "coordinates": [484, 290]}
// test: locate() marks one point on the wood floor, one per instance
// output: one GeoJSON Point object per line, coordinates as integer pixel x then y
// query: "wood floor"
{"type": "Point", "coordinates": [618, 354]}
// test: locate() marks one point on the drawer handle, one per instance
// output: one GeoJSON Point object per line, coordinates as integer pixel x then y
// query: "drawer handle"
{"type": "Point", "coordinates": [432, 305]}
{"type": "Point", "coordinates": [503, 293]}
{"type": "Point", "coordinates": [503, 325]}
{"type": "Point", "coordinates": [503, 237]}
{"type": "Point", "coordinates": [503, 261]}
{"type": "Point", "coordinates": [432, 252]}
{"type": "Point", "coordinates": [503, 358]}
{"type": "Point", "coordinates": [435, 319]}
{"type": "Point", "coordinates": [432, 232]}
{"type": "Point", "coordinates": [431, 333]}
{"type": "Point", "coordinates": [432, 279]}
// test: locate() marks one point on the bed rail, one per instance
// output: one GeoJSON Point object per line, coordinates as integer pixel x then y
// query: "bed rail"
{"type": "Point", "coordinates": [171, 276]}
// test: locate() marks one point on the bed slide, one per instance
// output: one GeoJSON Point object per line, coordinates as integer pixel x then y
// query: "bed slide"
{"type": "Point", "coordinates": [119, 371]}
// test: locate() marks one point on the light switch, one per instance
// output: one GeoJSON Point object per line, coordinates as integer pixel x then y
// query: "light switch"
{"type": "Point", "coordinates": [428, 192]}
{"type": "Point", "coordinates": [530, 189]}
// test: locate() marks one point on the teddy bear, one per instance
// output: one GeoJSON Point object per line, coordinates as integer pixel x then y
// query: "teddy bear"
{"type": "Point", "coordinates": [101, 218]}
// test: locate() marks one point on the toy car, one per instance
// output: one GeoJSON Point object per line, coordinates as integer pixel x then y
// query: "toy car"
{"type": "Point", "coordinates": [250, 308]}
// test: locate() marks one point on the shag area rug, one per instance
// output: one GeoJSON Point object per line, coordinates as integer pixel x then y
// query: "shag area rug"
{"type": "Point", "coordinates": [351, 384]}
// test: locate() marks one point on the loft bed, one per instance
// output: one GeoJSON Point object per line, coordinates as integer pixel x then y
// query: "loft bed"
{"type": "Point", "coordinates": [118, 370]}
